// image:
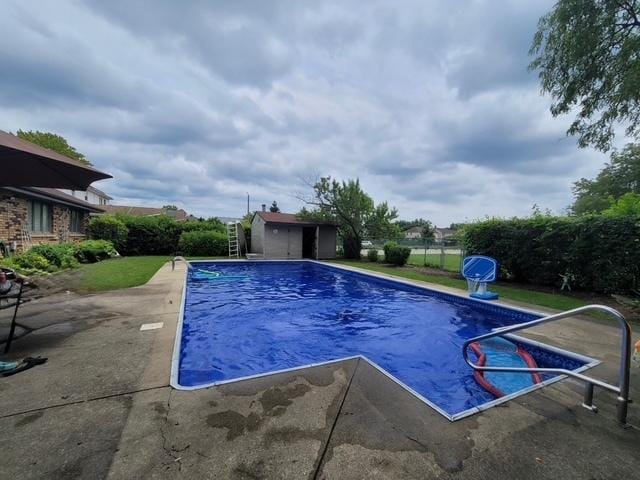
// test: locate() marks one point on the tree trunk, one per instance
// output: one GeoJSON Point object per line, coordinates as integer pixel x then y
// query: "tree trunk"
{"type": "Point", "coordinates": [352, 247]}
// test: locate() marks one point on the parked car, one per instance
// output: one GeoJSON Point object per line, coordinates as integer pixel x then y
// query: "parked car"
{"type": "Point", "coordinates": [367, 244]}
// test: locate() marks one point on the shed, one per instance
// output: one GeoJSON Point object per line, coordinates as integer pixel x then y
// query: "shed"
{"type": "Point", "coordinates": [285, 235]}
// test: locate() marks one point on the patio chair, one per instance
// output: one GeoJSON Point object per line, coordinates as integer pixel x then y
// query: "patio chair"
{"type": "Point", "coordinates": [12, 299]}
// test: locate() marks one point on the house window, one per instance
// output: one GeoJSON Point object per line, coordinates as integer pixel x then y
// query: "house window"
{"type": "Point", "coordinates": [39, 217]}
{"type": "Point", "coordinates": [75, 221]}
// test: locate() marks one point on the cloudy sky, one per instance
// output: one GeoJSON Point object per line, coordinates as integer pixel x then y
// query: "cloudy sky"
{"type": "Point", "coordinates": [197, 103]}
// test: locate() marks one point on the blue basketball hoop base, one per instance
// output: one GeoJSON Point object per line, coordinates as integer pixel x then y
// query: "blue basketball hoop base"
{"type": "Point", "coordinates": [484, 296]}
{"type": "Point", "coordinates": [480, 270]}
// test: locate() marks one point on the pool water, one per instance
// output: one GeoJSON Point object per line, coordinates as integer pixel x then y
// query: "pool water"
{"type": "Point", "coordinates": [253, 318]}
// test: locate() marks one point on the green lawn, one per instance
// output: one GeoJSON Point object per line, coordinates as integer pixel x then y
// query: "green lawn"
{"type": "Point", "coordinates": [117, 273]}
{"type": "Point", "coordinates": [548, 300]}
{"type": "Point", "coordinates": [451, 261]}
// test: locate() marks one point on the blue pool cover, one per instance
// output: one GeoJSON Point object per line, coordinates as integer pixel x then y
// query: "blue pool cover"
{"type": "Point", "coordinates": [260, 317]}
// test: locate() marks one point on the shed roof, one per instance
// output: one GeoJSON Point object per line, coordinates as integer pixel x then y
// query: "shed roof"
{"type": "Point", "coordinates": [289, 219]}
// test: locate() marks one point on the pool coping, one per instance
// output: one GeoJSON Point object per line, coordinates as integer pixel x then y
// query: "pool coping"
{"type": "Point", "coordinates": [175, 361]}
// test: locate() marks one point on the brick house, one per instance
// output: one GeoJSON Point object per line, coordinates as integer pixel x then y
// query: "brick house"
{"type": "Point", "coordinates": [413, 233]}
{"type": "Point", "coordinates": [47, 214]}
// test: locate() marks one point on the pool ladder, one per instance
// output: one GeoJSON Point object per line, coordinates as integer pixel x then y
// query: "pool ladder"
{"type": "Point", "coordinates": [622, 390]}
{"type": "Point", "coordinates": [234, 241]}
{"type": "Point", "coordinates": [180, 259]}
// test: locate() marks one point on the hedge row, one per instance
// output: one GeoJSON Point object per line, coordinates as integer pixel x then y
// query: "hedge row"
{"type": "Point", "coordinates": [158, 235]}
{"type": "Point", "coordinates": [599, 253]}
{"type": "Point", "coordinates": [203, 243]}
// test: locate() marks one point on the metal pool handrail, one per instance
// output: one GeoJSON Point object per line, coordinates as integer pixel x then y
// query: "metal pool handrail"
{"type": "Point", "coordinates": [622, 390]}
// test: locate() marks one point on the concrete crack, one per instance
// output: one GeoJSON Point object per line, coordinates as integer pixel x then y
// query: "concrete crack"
{"type": "Point", "coordinates": [172, 451]}
{"type": "Point", "coordinates": [335, 421]}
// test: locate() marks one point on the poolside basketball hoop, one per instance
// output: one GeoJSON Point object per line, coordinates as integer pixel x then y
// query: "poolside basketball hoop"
{"type": "Point", "coordinates": [478, 271]}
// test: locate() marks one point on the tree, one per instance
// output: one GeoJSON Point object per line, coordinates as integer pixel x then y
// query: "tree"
{"type": "Point", "coordinates": [355, 213]}
{"type": "Point", "coordinates": [274, 208]}
{"type": "Point", "coordinates": [428, 232]}
{"type": "Point", "coordinates": [620, 176]}
{"type": "Point", "coordinates": [586, 55]}
{"type": "Point", "coordinates": [406, 224]}
{"type": "Point", "coordinates": [53, 142]}
{"type": "Point", "coordinates": [627, 204]}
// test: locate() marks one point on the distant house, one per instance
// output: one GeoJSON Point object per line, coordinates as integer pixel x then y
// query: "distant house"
{"type": "Point", "coordinates": [443, 234]}
{"type": "Point", "coordinates": [179, 214]}
{"type": "Point", "coordinates": [413, 233]}
{"type": "Point", "coordinates": [31, 216]}
{"type": "Point", "coordinates": [91, 195]}
{"type": "Point", "coordinates": [284, 235]}
{"type": "Point", "coordinates": [229, 219]}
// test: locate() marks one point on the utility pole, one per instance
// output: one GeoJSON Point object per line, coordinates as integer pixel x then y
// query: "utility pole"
{"type": "Point", "coordinates": [248, 212]}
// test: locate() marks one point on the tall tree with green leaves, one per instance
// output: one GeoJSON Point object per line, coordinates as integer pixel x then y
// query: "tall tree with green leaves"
{"type": "Point", "coordinates": [620, 176]}
{"type": "Point", "coordinates": [355, 213]}
{"type": "Point", "coordinates": [53, 142]}
{"type": "Point", "coordinates": [587, 54]}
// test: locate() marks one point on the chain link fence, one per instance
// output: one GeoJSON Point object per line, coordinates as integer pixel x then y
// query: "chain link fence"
{"type": "Point", "coordinates": [445, 256]}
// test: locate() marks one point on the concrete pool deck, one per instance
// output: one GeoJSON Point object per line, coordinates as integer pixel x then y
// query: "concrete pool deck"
{"type": "Point", "coordinates": [101, 407]}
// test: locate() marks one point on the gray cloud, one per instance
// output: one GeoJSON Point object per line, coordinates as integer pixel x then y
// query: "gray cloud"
{"type": "Point", "coordinates": [196, 103]}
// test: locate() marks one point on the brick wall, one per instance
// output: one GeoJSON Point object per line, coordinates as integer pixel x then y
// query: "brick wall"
{"type": "Point", "coordinates": [14, 214]}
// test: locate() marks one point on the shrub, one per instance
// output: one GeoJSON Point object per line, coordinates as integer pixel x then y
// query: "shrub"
{"type": "Point", "coordinates": [32, 263]}
{"type": "Point", "coordinates": [91, 251]}
{"type": "Point", "coordinates": [212, 224]}
{"type": "Point", "coordinates": [396, 254]}
{"type": "Point", "coordinates": [203, 243]}
{"type": "Point", "coordinates": [61, 255]}
{"type": "Point", "coordinates": [372, 255]}
{"type": "Point", "coordinates": [151, 235]}
{"type": "Point", "coordinates": [109, 227]}
{"type": "Point", "coordinates": [602, 253]}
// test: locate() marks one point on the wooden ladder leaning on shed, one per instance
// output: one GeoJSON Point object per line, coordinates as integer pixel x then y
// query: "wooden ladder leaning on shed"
{"type": "Point", "coordinates": [232, 235]}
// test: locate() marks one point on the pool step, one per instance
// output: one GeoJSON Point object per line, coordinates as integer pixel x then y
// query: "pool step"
{"type": "Point", "coordinates": [500, 352]}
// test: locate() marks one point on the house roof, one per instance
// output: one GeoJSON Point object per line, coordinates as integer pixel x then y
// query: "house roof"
{"type": "Point", "coordinates": [444, 230]}
{"type": "Point", "coordinates": [288, 219]}
{"type": "Point", "coordinates": [414, 230]}
{"type": "Point", "coordinates": [99, 192]}
{"type": "Point", "coordinates": [56, 196]}
{"type": "Point", "coordinates": [142, 211]}
{"type": "Point", "coordinates": [25, 164]}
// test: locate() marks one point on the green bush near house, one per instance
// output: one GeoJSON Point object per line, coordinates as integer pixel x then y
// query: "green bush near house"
{"type": "Point", "coordinates": [91, 251]}
{"type": "Point", "coordinates": [158, 235]}
{"type": "Point", "coordinates": [372, 255]}
{"type": "Point", "coordinates": [396, 254]}
{"type": "Point", "coordinates": [31, 263]}
{"type": "Point", "coordinates": [203, 243]}
{"type": "Point", "coordinates": [43, 259]}
{"type": "Point", "coordinates": [60, 255]}
{"type": "Point", "coordinates": [600, 253]}
{"type": "Point", "coordinates": [109, 227]}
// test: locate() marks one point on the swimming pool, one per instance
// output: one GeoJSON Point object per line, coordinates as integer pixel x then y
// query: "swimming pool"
{"type": "Point", "coordinates": [244, 319]}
